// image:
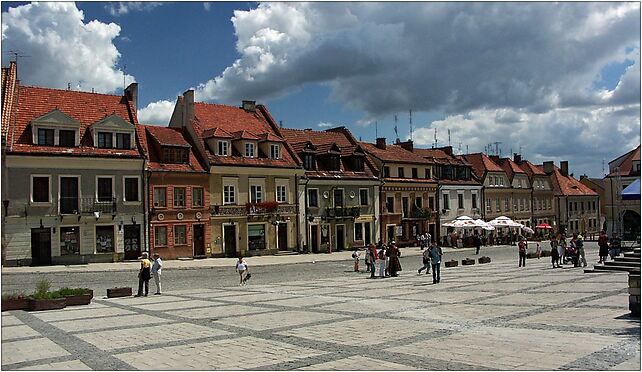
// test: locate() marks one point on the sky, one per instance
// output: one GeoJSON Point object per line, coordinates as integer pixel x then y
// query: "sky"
{"type": "Point", "coordinates": [554, 81]}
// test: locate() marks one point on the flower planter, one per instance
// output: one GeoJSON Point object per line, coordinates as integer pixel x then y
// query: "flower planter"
{"type": "Point", "coordinates": [14, 304]}
{"type": "Point", "coordinates": [119, 292]}
{"type": "Point", "coordinates": [546, 253]}
{"type": "Point", "coordinates": [451, 263]}
{"type": "Point", "coordinates": [47, 304]}
{"type": "Point", "coordinates": [76, 300]}
{"type": "Point", "coordinates": [467, 262]}
{"type": "Point", "coordinates": [531, 255]}
{"type": "Point", "coordinates": [484, 260]}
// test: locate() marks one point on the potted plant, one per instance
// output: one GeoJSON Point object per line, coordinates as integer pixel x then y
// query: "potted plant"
{"type": "Point", "coordinates": [14, 301]}
{"type": "Point", "coordinates": [451, 263]}
{"type": "Point", "coordinates": [43, 299]}
{"type": "Point", "coordinates": [76, 296]}
{"type": "Point", "coordinates": [119, 292]}
{"type": "Point", "coordinates": [467, 261]}
{"type": "Point", "coordinates": [484, 260]}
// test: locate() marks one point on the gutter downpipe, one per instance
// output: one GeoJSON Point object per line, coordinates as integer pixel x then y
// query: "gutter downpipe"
{"type": "Point", "coordinates": [306, 246]}
{"type": "Point", "coordinates": [146, 219]}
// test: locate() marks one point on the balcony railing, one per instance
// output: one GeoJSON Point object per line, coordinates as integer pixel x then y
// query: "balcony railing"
{"type": "Point", "coordinates": [340, 212]}
{"type": "Point", "coordinates": [75, 205]}
{"type": "Point", "coordinates": [252, 209]}
{"type": "Point", "coordinates": [420, 213]}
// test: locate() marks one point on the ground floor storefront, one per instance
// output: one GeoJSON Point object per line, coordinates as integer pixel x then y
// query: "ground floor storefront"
{"type": "Point", "coordinates": [327, 235]}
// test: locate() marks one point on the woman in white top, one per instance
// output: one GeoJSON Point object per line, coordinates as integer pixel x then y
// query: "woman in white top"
{"type": "Point", "coordinates": [241, 268]}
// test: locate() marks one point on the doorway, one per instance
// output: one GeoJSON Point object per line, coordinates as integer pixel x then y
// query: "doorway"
{"type": "Point", "coordinates": [314, 238]}
{"type": "Point", "coordinates": [283, 236]}
{"type": "Point", "coordinates": [132, 241]}
{"type": "Point", "coordinates": [40, 247]}
{"type": "Point", "coordinates": [199, 240]}
{"type": "Point", "coordinates": [368, 236]}
{"type": "Point", "coordinates": [340, 234]}
{"type": "Point", "coordinates": [390, 233]}
{"type": "Point", "coordinates": [229, 240]}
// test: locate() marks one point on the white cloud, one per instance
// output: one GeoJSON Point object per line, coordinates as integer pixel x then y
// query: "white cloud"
{"type": "Point", "coordinates": [325, 125]}
{"type": "Point", "coordinates": [158, 112]}
{"type": "Point", "coordinates": [124, 7]}
{"type": "Point", "coordinates": [207, 6]}
{"type": "Point", "coordinates": [62, 48]}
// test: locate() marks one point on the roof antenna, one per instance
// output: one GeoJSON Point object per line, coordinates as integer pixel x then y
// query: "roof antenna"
{"type": "Point", "coordinates": [68, 86]}
{"type": "Point", "coordinates": [435, 144]}
{"type": "Point", "coordinates": [124, 75]}
{"type": "Point", "coordinates": [411, 124]}
{"type": "Point", "coordinates": [448, 137]}
{"type": "Point", "coordinates": [466, 149]}
{"type": "Point", "coordinates": [396, 131]}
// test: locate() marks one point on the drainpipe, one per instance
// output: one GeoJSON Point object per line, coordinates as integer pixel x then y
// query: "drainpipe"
{"type": "Point", "coordinates": [146, 219]}
{"type": "Point", "coordinates": [305, 215]}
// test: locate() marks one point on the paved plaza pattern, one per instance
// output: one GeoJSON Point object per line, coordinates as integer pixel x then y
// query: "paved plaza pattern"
{"type": "Point", "coordinates": [493, 316]}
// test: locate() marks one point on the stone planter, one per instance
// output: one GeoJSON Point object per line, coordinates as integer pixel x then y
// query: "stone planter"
{"type": "Point", "coordinates": [47, 304]}
{"type": "Point", "coordinates": [451, 263]}
{"type": "Point", "coordinates": [119, 292]}
{"type": "Point", "coordinates": [77, 300]}
{"type": "Point", "coordinates": [467, 262]}
{"type": "Point", "coordinates": [484, 260]}
{"type": "Point", "coordinates": [546, 253]}
{"type": "Point", "coordinates": [14, 304]}
{"type": "Point", "coordinates": [531, 255]}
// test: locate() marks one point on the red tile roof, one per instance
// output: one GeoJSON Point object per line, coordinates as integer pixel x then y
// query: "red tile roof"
{"type": "Point", "coordinates": [531, 169]}
{"type": "Point", "coordinates": [511, 168]}
{"type": "Point", "coordinates": [243, 134]}
{"type": "Point", "coordinates": [394, 153]}
{"type": "Point", "coordinates": [626, 163]}
{"type": "Point", "coordinates": [8, 87]}
{"type": "Point", "coordinates": [440, 156]}
{"type": "Point", "coordinates": [481, 164]}
{"type": "Point", "coordinates": [165, 136]}
{"type": "Point", "coordinates": [86, 108]}
{"type": "Point", "coordinates": [214, 120]}
{"type": "Point", "coordinates": [569, 186]}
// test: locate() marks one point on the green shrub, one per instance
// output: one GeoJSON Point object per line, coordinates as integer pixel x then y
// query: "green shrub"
{"type": "Point", "coordinates": [43, 286]}
{"type": "Point", "coordinates": [46, 295]}
{"type": "Point", "coordinates": [13, 296]}
{"type": "Point", "coordinates": [65, 292]}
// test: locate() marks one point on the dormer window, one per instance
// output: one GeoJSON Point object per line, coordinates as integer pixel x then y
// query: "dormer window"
{"type": "Point", "coordinates": [67, 138]}
{"type": "Point", "coordinates": [334, 163]}
{"type": "Point", "coordinates": [223, 148]}
{"type": "Point", "coordinates": [46, 137]}
{"type": "Point", "coordinates": [249, 150]}
{"type": "Point", "coordinates": [123, 141]}
{"type": "Point", "coordinates": [357, 164]}
{"type": "Point", "coordinates": [308, 161]}
{"type": "Point", "coordinates": [175, 155]}
{"type": "Point", "coordinates": [275, 151]}
{"type": "Point", "coordinates": [104, 140]}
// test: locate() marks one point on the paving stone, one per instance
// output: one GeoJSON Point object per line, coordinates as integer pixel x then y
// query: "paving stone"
{"type": "Point", "coordinates": [149, 335]}
{"type": "Point", "coordinates": [28, 350]}
{"type": "Point", "coordinates": [85, 325]}
{"type": "Point", "coordinates": [10, 320]}
{"type": "Point", "coordinates": [461, 312]}
{"type": "Point", "coordinates": [19, 331]}
{"type": "Point", "coordinates": [581, 317]}
{"type": "Point", "coordinates": [256, 297]}
{"type": "Point", "coordinates": [151, 299]}
{"type": "Point", "coordinates": [185, 304]}
{"type": "Point", "coordinates": [276, 319]}
{"type": "Point", "coordinates": [357, 363]}
{"type": "Point", "coordinates": [621, 300]}
{"type": "Point", "coordinates": [219, 311]}
{"type": "Point", "coordinates": [72, 365]}
{"type": "Point", "coordinates": [81, 313]}
{"type": "Point", "coordinates": [369, 306]}
{"type": "Point", "coordinates": [304, 301]}
{"type": "Point", "coordinates": [229, 354]}
{"type": "Point", "coordinates": [533, 298]}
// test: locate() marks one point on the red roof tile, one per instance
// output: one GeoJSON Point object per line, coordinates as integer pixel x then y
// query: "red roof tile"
{"type": "Point", "coordinates": [86, 108]}
{"type": "Point", "coordinates": [531, 169]}
{"type": "Point", "coordinates": [481, 164]}
{"type": "Point", "coordinates": [165, 136]}
{"type": "Point", "coordinates": [243, 134]}
{"type": "Point", "coordinates": [394, 153]}
{"type": "Point", "coordinates": [510, 167]}
{"type": "Point", "coordinates": [569, 186]}
{"type": "Point", "coordinates": [626, 163]}
{"type": "Point", "coordinates": [216, 132]}
{"type": "Point", "coordinates": [8, 87]}
{"type": "Point", "coordinates": [440, 156]}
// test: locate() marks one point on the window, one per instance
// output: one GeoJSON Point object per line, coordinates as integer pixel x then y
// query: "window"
{"type": "Point", "coordinates": [105, 239]}
{"type": "Point", "coordinates": [526, 205]}
{"type": "Point", "coordinates": [390, 204]}
{"type": "Point", "coordinates": [105, 189]}
{"type": "Point", "coordinates": [256, 237]}
{"type": "Point", "coordinates": [160, 236]}
{"type": "Point", "coordinates": [419, 202]}
{"type": "Point", "coordinates": [308, 161]}
{"type": "Point", "coordinates": [519, 183]}
{"type": "Point", "coordinates": [197, 197]}
{"type": "Point", "coordinates": [386, 172]}
{"type": "Point", "coordinates": [67, 138]}
{"type": "Point", "coordinates": [40, 189]}
{"type": "Point", "coordinates": [123, 140]}
{"type": "Point", "coordinates": [338, 197]}
{"type": "Point", "coordinates": [313, 198]}
{"type": "Point", "coordinates": [415, 173]}
{"type": "Point", "coordinates": [474, 201]}
{"type": "Point", "coordinates": [358, 231]}
{"type": "Point", "coordinates": [180, 236]}
{"type": "Point", "coordinates": [160, 197]}
{"type": "Point", "coordinates": [363, 196]}
{"type": "Point", "coordinates": [404, 206]}
{"type": "Point", "coordinates": [521, 204]}
{"type": "Point", "coordinates": [256, 194]}
{"type": "Point", "coordinates": [460, 201]}
{"type": "Point", "coordinates": [222, 148]}
{"type": "Point", "coordinates": [131, 189]}
{"type": "Point", "coordinates": [46, 137]}
{"type": "Point", "coordinates": [281, 194]}
{"type": "Point", "coordinates": [498, 207]}
{"type": "Point", "coordinates": [501, 181]}
{"type": "Point", "coordinates": [570, 206]}
{"type": "Point", "coordinates": [514, 204]}
{"type": "Point", "coordinates": [179, 197]}
{"type": "Point", "coordinates": [249, 150]}
{"type": "Point", "coordinates": [104, 140]}
{"type": "Point", "coordinates": [69, 241]}
{"type": "Point", "coordinates": [427, 173]}
{"type": "Point", "coordinates": [275, 151]}
{"type": "Point", "coordinates": [175, 155]}
{"type": "Point", "coordinates": [357, 164]}
{"type": "Point", "coordinates": [431, 203]}
{"type": "Point", "coordinates": [549, 204]}
{"type": "Point", "coordinates": [446, 201]}
{"type": "Point", "coordinates": [488, 210]}
{"type": "Point", "coordinates": [229, 194]}
{"type": "Point", "coordinates": [400, 172]}
{"type": "Point", "coordinates": [594, 206]}
{"type": "Point", "coordinates": [333, 163]}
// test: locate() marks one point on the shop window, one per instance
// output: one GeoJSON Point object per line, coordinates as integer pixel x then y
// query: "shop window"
{"type": "Point", "coordinates": [70, 241]}
{"type": "Point", "coordinates": [256, 237]}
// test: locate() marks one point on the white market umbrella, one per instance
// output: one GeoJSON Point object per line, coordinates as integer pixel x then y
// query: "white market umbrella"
{"type": "Point", "coordinates": [484, 225]}
{"type": "Point", "coordinates": [528, 230]}
{"type": "Point", "coordinates": [504, 221]}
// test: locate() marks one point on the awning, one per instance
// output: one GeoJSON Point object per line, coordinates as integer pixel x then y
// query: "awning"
{"type": "Point", "coordinates": [632, 191]}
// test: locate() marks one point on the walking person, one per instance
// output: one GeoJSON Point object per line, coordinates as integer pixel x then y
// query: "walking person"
{"type": "Point", "coordinates": [561, 248]}
{"type": "Point", "coordinates": [615, 244]}
{"type": "Point", "coordinates": [382, 262]}
{"type": "Point", "coordinates": [394, 264]}
{"type": "Point", "coordinates": [366, 258]}
{"type": "Point", "coordinates": [538, 250]}
{"type": "Point", "coordinates": [425, 259]}
{"type": "Point", "coordinates": [555, 256]}
{"type": "Point", "coordinates": [603, 243]}
{"type": "Point", "coordinates": [435, 259]}
{"type": "Point", "coordinates": [372, 254]}
{"type": "Point", "coordinates": [144, 275]}
{"type": "Point", "coordinates": [355, 257]}
{"type": "Point", "coordinates": [477, 243]}
{"type": "Point", "coordinates": [579, 244]}
{"type": "Point", "coordinates": [157, 266]}
{"type": "Point", "coordinates": [573, 246]}
{"type": "Point", "coordinates": [521, 246]}
{"type": "Point", "coordinates": [242, 269]}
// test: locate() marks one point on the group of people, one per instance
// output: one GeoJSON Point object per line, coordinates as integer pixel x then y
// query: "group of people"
{"type": "Point", "coordinates": [149, 269]}
{"type": "Point", "coordinates": [386, 259]}
{"type": "Point", "coordinates": [573, 252]}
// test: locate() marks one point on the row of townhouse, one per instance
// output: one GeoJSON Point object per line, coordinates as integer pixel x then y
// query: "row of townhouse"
{"type": "Point", "coordinates": [83, 181]}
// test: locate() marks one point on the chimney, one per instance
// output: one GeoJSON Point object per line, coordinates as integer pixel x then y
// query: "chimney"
{"type": "Point", "coordinates": [584, 176]}
{"type": "Point", "coordinates": [131, 92]}
{"type": "Point", "coordinates": [381, 143]}
{"type": "Point", "coordinates": [494, 158]}
{"type": "Point", "coordinates": [517, 158]}
{"type": "Point", "coordinates": [564, 167]}
{"type": "Point", "coordinates": [407, 145]}
{"type": "Point", "coordinates": [448, 150]}
{"type": "Point", "coordinates": [249, 106]}
{"type": "Point", "coordinates": [548, 167]}
{"type": "Point", "coordinates": [188, 106]}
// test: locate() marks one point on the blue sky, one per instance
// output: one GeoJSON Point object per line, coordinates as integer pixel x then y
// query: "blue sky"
{"type": "Point", "coordinates": [486, 72]}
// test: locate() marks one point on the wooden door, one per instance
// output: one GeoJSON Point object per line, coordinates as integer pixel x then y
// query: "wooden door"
{"type": "Point", "coordinates": [283, 236]}
{"type": "Point", "coordinates": [40, 247]}
{"type": "Point", "coordinates": [230, 240]}
{"type": "Point", "coordinates": [340, 237]}
{"type": "Point", "coordinates": [314, 238]}
{"type": "Point", "coordinates": [132, 241]}
{"type": "Point", "coordinates": [199, 240]}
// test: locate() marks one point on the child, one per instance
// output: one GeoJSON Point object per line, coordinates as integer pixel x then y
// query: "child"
{"type": "Point", "coordinates": [538, 250]}
{"type": "Point", "coordinates": [355, 256]}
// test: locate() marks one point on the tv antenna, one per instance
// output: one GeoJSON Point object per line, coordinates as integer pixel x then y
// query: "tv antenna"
{"type": "Point", "coordinates": [448, 137]}
{"type": "Point", "coordinates": [396, 131]}
{"type": "Point", "coordinates": [496, 143]}
{"type": "Point", "coordinates": [410, 124]}
{"type": "Point", "coordinates": [435, 145]}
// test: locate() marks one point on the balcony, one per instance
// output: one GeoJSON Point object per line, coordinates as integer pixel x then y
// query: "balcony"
{"type": "Point", "coordinates": [263, 209]}
{"type": "Point", "coordinates": [342, 212]}
{"type": "Point", "coordinates": [87, 205]}
{"type": "Point", "coordinates": [419, 214]}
